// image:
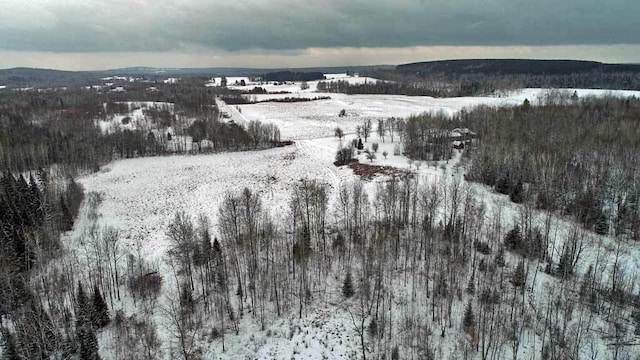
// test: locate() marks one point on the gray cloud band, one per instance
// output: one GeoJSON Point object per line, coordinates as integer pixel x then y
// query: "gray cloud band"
{"type": "Point", "coordinates": [145, 25]}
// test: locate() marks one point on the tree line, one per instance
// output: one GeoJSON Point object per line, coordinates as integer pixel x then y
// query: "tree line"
{"type": "Point", "coordinates": [38, 129]}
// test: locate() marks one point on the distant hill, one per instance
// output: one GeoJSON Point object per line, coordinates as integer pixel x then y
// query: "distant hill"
{"type": "Point", "coordinates": [27, 77]}
{"type": "Point", "coordinates": [293, 76]}
{"type": "Point", "coordinates": [513, 67]}
{"type": "Point", "coordinates": [243, 71]}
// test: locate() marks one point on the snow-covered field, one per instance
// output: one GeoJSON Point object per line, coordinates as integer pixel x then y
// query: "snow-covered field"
{"type": "Point", "coordinates": [291, 87]}
{"type": "Point", "coordinates": [313, 119]}
{"type": "Point", "coordinates": [140, 197]}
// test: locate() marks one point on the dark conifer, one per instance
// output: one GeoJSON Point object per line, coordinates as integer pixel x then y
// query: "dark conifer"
{"type": "Point", "coordinates": [468, 322]}
{"type": "Point", "coordinates": [88, 344]}
{"type": "Point", "coordinates": [471, 286]}
{"type": "Point", "coordinates": [10, 352]}
{"type": "Point", "coordinates": [100, 314]}
{"type": "Point", "coordinates": [503, 185]}
{"type": "Point", "coordinates": [347, 286]}
{"type": "Point", "coordinates": [517, 193]}
{"type": "Point", "coordinates": [82, 306]}
{"type": "Point", "coordinates": [66, 220]}
{"type": "Point", "coordinates": [373, 328]}
{"type": "Point", "coordinates": [499, 259]}
{"type": "Point", "coordinates": [519, 275]}
{"type": "Point", "coordinates": [216, 246]}
{"type": "Point", "coordinates": [85, 333]}
{"type": "Point", "coordinates": [513, 239]}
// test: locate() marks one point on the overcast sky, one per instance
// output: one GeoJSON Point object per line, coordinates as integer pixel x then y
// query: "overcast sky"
{"type": "Point", "coordinates": [100, 34]}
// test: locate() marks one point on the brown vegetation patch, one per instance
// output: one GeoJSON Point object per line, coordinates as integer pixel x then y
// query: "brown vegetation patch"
{"type": "Point", "coordinates": [367, 171]}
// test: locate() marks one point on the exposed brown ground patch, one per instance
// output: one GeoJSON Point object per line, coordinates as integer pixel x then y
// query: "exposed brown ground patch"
{"type": "Point", "coordinates": [367, 171]}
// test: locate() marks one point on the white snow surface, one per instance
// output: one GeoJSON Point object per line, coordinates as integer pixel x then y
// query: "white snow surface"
{"type": "Point", "coordinates": [140, 197]}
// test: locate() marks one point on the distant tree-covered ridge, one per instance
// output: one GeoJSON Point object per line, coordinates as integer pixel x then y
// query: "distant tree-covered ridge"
{"type": "Point", "coordinates": [454, 78]}
{"type": "Point", "coordinates": [281, 76]}
{"type": "Point", "coordinates": [514, 67]}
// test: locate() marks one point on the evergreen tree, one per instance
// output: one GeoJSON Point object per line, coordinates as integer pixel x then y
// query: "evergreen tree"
{"type": "Point", "coordinates": [302, 249]}
{"type": "Point", "coordinates": [499, 259]}
{"type": "Point", "coordinates": [468, 322]}
{"type": "Point", "coordinates": [601, 226]}
{"type": "Point", "coordinates": [100, 314]}
{"type": "Point", "coordinates": [68, 347]}
{"type": "Point", "coordinates": [66, 221]}
{"type": "Point", "coordinates": [503, 185]}
{"type": "Point", "coordinates": [82, 306]}
{"type": "Point", "coordinates": [482, 266]}
{"type": "Point", "coordinates": [564, 266]}
{"type": "Point", "coordinates": [513, 239]}
{"type": "Point", "coordinates": [36, 201]}
{"type": "Point", "coordinates": [347, 286]}
{"type": "Point", "coordinates": [373, 328]}
{"type": "Point", "coordinates": [88, 344]}
{"type": "Point", "coordinates": [395, 353]}
{"type": "Point", "coordinates": [216, 246]}
{"type": "Point", "coordinates": [9, 351]}
{"type": "Point", "coordinates": [586, 287]}
{"type": "Point", "coordinates": [85, 334]}
{"type": "Point", "coordinates": [471, 286]}
{"type": "Point", "coordinates": [517, 193]}
{"type": "Point", "coordinates": [186, 298]}
{"type": "Point", "coordinates": [43, 179]}
{"type": "Point", "coordinates": [519, 275]}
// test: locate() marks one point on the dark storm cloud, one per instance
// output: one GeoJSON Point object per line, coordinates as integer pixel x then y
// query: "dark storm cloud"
{"type": "Point", "coordinates": [146, 25]}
